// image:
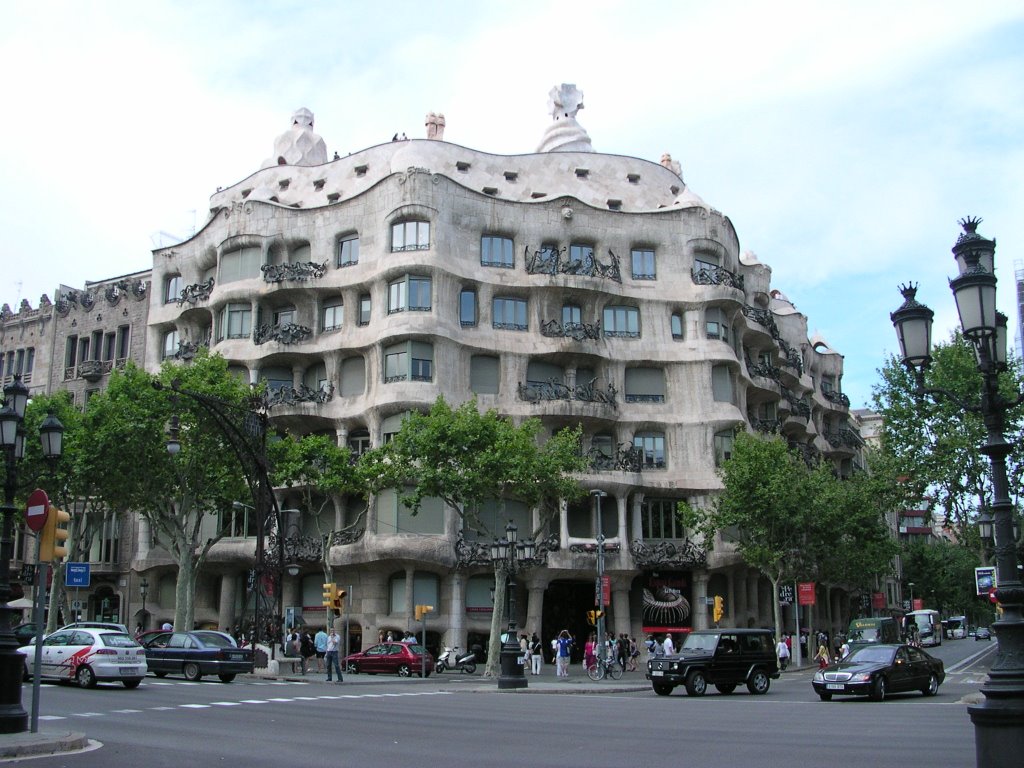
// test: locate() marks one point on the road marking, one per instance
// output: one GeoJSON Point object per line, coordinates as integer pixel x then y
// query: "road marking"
{"type": "Point", "coordinates": [52, 717]}
{"type": "Point", "coordinates": [126, 711]}
{"type": "Point", "coordinates": [161, 709]}
{"type": "Point", "coordinates": [194, 706]}
{"type": "Point", "coordinates": [254, 701]}
{"type": "Point", "coordinates": [87, 714]}
{"type": "Point", "coordinates": [226, 703]}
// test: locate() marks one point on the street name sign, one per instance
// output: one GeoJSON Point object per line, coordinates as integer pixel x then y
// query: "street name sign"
{"type": "Point", "coordinates": [77, 574]}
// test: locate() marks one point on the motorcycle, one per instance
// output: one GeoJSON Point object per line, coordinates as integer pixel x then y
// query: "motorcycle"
{"type": "Point", "coordinates": [454, 660]}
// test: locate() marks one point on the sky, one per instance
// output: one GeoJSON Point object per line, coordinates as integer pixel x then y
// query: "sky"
{"type": "Point", "coordinates": [843, 140]}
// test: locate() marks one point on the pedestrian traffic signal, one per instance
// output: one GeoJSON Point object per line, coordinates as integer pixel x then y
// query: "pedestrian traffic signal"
{"type": "Point", "coordinates": [423, 610]}
{"type": "Point", "coordinates": [719, 610]}
{"type": "Point", "coordinates": [330, 594]}
{"type": "Point", "coordinates": [339, 600]}
{"type": "Point", "coordinates": [53, 536]}
{"type": "Point", "coordinates": [592, 618]}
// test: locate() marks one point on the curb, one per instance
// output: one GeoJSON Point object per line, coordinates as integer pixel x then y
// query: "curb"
{"type": "Point", "coordinates": [36, 744]}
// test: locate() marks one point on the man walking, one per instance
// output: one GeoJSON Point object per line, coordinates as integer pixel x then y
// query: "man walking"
{"type": "Point", "coordinates": [320, 643]}
{"type": "Point", "coordinates": [331, 655]}
{"type": "Point", "coordinates": [783, 652]}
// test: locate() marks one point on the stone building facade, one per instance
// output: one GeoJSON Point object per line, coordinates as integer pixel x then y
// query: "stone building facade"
{"type": "Point", "coordinates": [578, 287]}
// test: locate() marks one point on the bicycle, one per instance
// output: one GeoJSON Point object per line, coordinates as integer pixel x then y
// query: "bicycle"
{"type": "Point", "coordinates": [601, 667]}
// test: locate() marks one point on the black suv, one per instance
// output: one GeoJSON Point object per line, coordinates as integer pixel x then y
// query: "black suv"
{"type": "Point", "coordinates": [720, 657]}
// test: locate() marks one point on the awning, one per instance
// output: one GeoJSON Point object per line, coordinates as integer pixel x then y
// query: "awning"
{"type": "Point", "coordinates": [20, 603]}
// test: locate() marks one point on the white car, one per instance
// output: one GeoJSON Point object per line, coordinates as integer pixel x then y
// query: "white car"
{"type": "Point", "coordinates": [88, 656]}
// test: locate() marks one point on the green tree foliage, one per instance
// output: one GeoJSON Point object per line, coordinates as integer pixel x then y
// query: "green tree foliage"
{"type": "Point", "coordinates": [127, 455]}
{"type": "Point", "coordinates": [467, 458]}
{"type": "Point", "coordinates": [935, 442]}
{"type": "Point", "coordinates": [943, 574]}
{"type": "Point", "coordinates": [320, 470]}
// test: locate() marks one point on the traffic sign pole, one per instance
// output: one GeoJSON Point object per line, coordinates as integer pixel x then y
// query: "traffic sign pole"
{"type": "Point", "coordinates": [37, 617]}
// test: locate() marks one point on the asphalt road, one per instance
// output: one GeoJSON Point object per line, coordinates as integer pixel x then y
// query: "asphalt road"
{"type": "Point", "coordinates": [454, 721]}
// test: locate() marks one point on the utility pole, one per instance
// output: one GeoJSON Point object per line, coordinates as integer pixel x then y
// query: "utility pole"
{"type": "Point", "coordinates": [598, 495]}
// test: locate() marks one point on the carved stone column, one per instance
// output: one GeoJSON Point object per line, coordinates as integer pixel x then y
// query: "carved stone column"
{"type": "Point", "coordinates": [456, 634]}
{"type": "Point", "coordinates": [700, 593]}
{"type": "Point", "coordinates": [620, 606]}
{"type": "Point", "coordinates": [226, 608]}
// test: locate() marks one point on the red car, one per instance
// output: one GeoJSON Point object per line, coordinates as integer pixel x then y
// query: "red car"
{"type": "Point", "coordinates": [402, 659]}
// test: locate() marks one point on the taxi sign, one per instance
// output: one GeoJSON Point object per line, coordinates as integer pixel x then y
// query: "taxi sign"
{"type": "Point", "coordinates": [37, 509]}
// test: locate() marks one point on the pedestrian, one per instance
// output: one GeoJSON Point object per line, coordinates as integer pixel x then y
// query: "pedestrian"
{"type": "Point", "coordinates": [331, 655]}
{"type": "Point", "coordinates": [307, 649]}
{"type": "Point", "coordinates": [622, 650]}
{"type": "Point", "coordinates": [536, 654]}
{"type": "Point", "coordinates": [652, 647]}
{"type": "Point", "coordinates": [167, 627]}
{"type": "Point", "coordinates": [668, 648]}
{"type": "Point", "coordinates": [844, 650]}
{"type": "Point", "coordinates": [822, 656]}
{"type": "Point", "coordinates": [590, 652]}
{"type": "Point", "coordinates": [524, 649]}
{"type": "Point", "coordinates": [783, 652]}
{"type": "Point", "coordinates": [320, 642]}
{"type": "Point", "coordinates": [565, 644]}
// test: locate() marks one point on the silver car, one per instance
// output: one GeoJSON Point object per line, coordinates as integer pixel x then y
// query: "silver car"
{"type": "Point", "coordinates": [88, 656]}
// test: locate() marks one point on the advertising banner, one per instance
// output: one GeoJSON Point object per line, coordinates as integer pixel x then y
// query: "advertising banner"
{"type": "Point", "coordinates": [805, 592]}
{"type": "Point", "coordinates": [984, 580]}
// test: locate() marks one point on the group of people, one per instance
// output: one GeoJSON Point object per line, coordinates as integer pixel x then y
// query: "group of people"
{"type": "Point", "coordinates": [823, 656]}
{"type": "Point", "coordinates": [323, 647]}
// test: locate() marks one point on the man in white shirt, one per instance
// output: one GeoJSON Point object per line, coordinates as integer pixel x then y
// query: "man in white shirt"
{"type": "Point", "coordinates": [668, 645]}
{"type": "Point", "coordinates": [331, 655]}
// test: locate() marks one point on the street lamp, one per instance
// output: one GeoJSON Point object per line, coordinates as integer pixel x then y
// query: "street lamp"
{"type": "Point", "coordinates": [13, 717]}
{"type": "Point", "coordinates": [511, 555]}
{"type": "Point", "coordinates": [143, 593]}
{"type": "Point", "coordinates": [910, 584]}
{"type": "Point", "coordinates": [999, 719]}
{"type": "Point", "coordinates": [597, 495]}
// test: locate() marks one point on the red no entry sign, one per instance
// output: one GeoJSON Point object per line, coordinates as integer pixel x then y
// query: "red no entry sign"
{"type": "Point", "coordinates": [37, 509]}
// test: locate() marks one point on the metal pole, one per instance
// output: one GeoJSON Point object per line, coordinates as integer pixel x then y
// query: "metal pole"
{"type": "Point", "coordinates": [796, 620]}
{"type": "Point", "coordinates": [348, 597]}
{"type": "Point", "coordinates": [598, 495]}
{"type": "Point", "coordinates": [37, 617]}
{"type": "Point", "coordinates": [13, 717]}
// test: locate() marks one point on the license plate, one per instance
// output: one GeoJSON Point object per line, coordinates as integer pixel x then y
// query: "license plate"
{"type": "Point", "coordinates": [129, 671]}
{"type": "Point", "coordinates": [236, 656]}
{"type": "Point", "coordinates": [835, 686]}
{"type": "Point", "coordinates": [657, 673]}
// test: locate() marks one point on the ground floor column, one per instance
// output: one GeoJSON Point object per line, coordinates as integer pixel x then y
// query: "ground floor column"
{"type": "Point", "coordinates": [226, 608]}
{"type": "Point", "coordinates": [700, 593]}
{"type": "Point", "coordinates": [742, 605]}
{"type": "Point", "coordinates": [757, 606]}
{"type": "Point", "coordinates": [620, 605]}
{"type": "Point", "coordinates": [456, 634]}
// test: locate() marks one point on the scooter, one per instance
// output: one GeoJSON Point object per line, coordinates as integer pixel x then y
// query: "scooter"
{"type": "Point", "coordinates": [452, 659]}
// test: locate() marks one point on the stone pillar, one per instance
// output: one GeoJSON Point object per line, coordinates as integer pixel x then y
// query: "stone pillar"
{"type": "Point", "coordinates": [700, 593]}
{"type": "Point", "coordinates": [636, 522]}
{"type": "Point", "coordinates": [563, 522]}
{"type": "Point", "coordinates": [620, 606]}
{"type": "Point", "coordinates": [145, 537]}
{"type": "Point", "coordinates": [410, 610]}
{"type": "Point", "coordinates": [620, 506]}
{"type": "Point", "coordinates": [535, 605]}
{"type": "Point", "coordinates": [743, 605]}
{"type": "Point", "coordinates": [456, 634]}
{"type": "Point", "coordinates": [753, 595]}
{"type": "Point", "coordinates": [226, 609]}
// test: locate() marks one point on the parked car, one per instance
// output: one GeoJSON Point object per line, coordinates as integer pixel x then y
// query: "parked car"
{"type": "Point", "coordinates": [876, 671]}
{"type": "Point", "coordinates": [197, 653]}
{"type": "Point", "coordinates": [724, 658]}
{"type": "Point", "coordinates": [97, 625]}
{"type": "Point", "coordinates": [88, 656]}
{"type": "Point", "coordinates": [982, 633]}
{"type": "Point", "coordinates": [402, 659]}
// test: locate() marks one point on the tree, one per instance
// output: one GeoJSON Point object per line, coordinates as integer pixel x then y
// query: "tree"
{"type": "Point", "coordinates": [944, 572]}
{"type": "Point", "coordinates": [178, 494]}
{"type": "Point", "coordinates": [320, 470]}
{"type": "Point", "coordinates": [467, 458]}
{"type": "Point", "coordinates": [936, 443]}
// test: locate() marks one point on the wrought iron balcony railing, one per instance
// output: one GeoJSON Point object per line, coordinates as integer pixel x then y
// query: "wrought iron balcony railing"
{"type": "Point", "coordinates": [550, 261]}
{"type": "Point", "coordinates": [576, 331]}
{"type": "Point", "coordinates": [286, 333]}
{"type": "Point", "coordinates": [299, 271]}
{"type": "Point", "coordinates": [715, 275]}
{"type": "Point", "coordinates": [553, 389]}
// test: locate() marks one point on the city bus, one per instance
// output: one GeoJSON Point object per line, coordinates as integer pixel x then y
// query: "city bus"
{"type": "Point", "coordinates": [956, 627]}
{"type": "Point", "coordinates": [925, 624]}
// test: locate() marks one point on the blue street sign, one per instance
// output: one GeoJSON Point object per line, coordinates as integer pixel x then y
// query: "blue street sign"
{"type": "Point", "coordinates": [76, 574]}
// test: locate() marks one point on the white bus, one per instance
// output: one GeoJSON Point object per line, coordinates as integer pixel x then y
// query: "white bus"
{"type": "Point", "coordinates": [923, 627]}
{"type": "Point", "coordinates": [956, 627]}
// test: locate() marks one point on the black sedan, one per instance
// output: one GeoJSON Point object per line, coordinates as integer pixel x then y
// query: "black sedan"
{"type": "Point", "coordinates": [876, 671]}
{"type": "Point", "coordinates": [198, 653]}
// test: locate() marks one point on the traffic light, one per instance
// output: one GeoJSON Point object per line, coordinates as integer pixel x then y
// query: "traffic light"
{"type": "Point", "coordinates": [592, 618]}
{"type": "Point", "coordinates": [339, 599]}
{"type": "Point", "coordinates": [719, 610]}
{"type": "Point", "coordinates": [330, 595]}
{"type": "Point", "coordinates": [422, 610]}
{"type": "Point", "coordinates": [51, 545]}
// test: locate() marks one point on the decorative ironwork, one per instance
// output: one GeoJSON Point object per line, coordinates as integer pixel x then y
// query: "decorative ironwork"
{"type": "Point", "coordinates": [806, 452]}
{"type": "Point", "coordinates": [762, 317]}
{"type": "Point", "coordinates": [844, 437]}
{"type": "Point", "coordinates": [90, 370]}
{"type": "Point", "coordinates": [590, 549]}
{"type": "Point", "coordinates": [576, 331]}
{"type": "Point", "coordinates": [645, 398]}
{"type": "Point", "coordinates": [475, 553]}
{"type": "Point", "coordinates": [187, 350]}
{"type": "Point", "coordinates": [296, 549]}
{"type": "Point", "coordinates": [764, 368]}
{"type": "Point", "coordinates": [286, 333]}
{"type": "Point", "coordinates": [302, 270]}
{"type": "Point", "coordinates": [192, 294]}
{"type": "Point", "coordinates": [550, 261]}
{"type": "Point", "coordinates": [791, 357]}
{"type": "Point", "coordinates": [301, 394]}
{"type": "Point", "coordinates": [553, 389]}
{"type": "Point", "coordinates": [348, 535]}
{"type": "Point", "coordinates": [628, 458]}
{"type": "Point", "coordinates": [715, 275]}
{"type": "Point", "coordinates": [766, 426]}
{"type": "Point", "coordinates": [668, 554]}
{"type": "Point", "coordinates": [798, 406]}
{"type": "Point", "coordinates": [838, 398]}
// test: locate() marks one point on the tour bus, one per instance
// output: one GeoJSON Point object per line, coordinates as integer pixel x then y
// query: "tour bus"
{"type": "Point", "coordinates": [956, 627]}
{"type": "Point", "coordinates": [925, 624]}
{"type": "Point", "coordinates": [880, 629]}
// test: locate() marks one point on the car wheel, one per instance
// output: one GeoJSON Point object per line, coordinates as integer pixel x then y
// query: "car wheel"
{"type": "Point", "coordinates": [191, 671]}
{"type": "Point", "coordinates": [933, 686]}
{"type": "Point", "coordinates": [130, 684]}
{"type": "Point", "coordinates": [759, 682]}
{"type": "Point", "coordinates": [878, 690]}
{"type": "Point", "coordinates": [226, 678]}
{"type": "Point", "coordinates": [404, 671]}
{"type": "Point", "coordinates": [662, 689]}
{"type": "Point", "coordinates": [696, 684]}
{"type": "Point", "coordinates": [351, 668]}
{"type": "Point", "coordinates": [85, 677]}
{"type": "Point", "coordinates": [825, 696]}
{"type": "Point", "coordinates": [725, 688]}
{"type": "Point", "coordinates": [160, 674]}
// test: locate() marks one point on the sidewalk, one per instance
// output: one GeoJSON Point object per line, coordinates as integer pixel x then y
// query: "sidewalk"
{"type": "Point", "coordinates": [15, 745]}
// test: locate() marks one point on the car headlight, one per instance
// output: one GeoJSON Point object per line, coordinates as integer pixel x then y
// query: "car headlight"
{"type": "Point", "coordinates": [863, 677]}
{"type": "Point", "coordinates": [819, 677]}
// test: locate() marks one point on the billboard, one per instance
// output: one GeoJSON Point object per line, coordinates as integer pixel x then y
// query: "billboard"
{"type": "Point", "coordinates": [984, 580]}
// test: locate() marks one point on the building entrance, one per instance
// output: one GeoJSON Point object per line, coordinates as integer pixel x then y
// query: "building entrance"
{"type": "Point", "coordinates": [565, 607]}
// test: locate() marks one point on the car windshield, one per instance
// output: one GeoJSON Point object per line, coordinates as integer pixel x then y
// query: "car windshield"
{"type": "Point", "coordinates": [215, 638]}
{"type": "Point", "coordinates": [883, 655]}
{"type": "Point", "coordinates": [864, 635]}
{"type": "Point", "coordinates": [117, 640]}
{"type": "Point", "coordinates": [416, 648]}
{"type": "Point", "coordinates": [698, 642]}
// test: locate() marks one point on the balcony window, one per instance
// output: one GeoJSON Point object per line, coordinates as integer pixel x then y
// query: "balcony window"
{"type": "Point", "coordinates": [581, 258]}
{"type": "Point", "coordinates": [348, 251]}
{"type": "Point", "coordinates": [483, 374]}
{"type": "Point", "coordinates": [572, 316]}
{"type": "Point", "coordinates": [467, 307]}
{"type": "Point", "coordinates": [410, 236]}
{"type": "Point", "coordinates": [332, 316]}
{"type": "Point", "coordinates": [409, 293]}
{"type": "Point", "coordinates": [509, 314]}
{"type": "Point", "coordinates": [172, 288]}
{"type": "Point", "coordinates": [716, 323]}
{"type": "Point", "coordinates": [723, 446]}
{"type": "Point", "coordinates": [652, 445]}
{"type": "Point", "coordinates": [364, 309]}
{"type": "Point", "coordinates": [659, 519]}
{"type": "Point", "coordinates": [643, 264]}
{"type": "Point", "coordinates": [171, 343]}
{"type": "Point", "coordinates": [236, 321]}
{"type": "Point", "coordinates": [722, 388]}
{"type": "Point", "coordinates": [677, 326]}
{"type": "Point", "coordinates": [409, 361]}
{"type": "Point", "coordinates": [284, 316]}
{"type": "Point", "coordinates": [240, 264]}
{"type": "Point", "coordinates": [496, 252]}
{"type": "Point", "coordinates": [622, 322]}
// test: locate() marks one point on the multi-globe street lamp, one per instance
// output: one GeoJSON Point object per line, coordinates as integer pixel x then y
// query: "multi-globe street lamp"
{"type": "Point", "coordinates": [999, 718]}
{"type": "Point", "coordinates": [144, 593]}
{"type": "Point", "coordinates": [510, 555]}
{"type": "Point", "coordinates": [13, 717]}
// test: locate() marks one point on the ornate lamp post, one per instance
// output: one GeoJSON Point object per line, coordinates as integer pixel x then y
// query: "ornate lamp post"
{"type": "Point", "coordinates": [144, 593]}
{"type": "Point", "coordinates": [13, 717]}
{"type": "Point", "coordinates": [510, 555]}
{"type": "Point", "coordinates": [999, 719]}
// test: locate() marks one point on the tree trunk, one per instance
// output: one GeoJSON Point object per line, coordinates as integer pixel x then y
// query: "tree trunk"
{"type": "Point", "coordinates": [185, 590]}
{"type": "Point", "coordinates": [776, 608]}
{"type": "Point", "coordinates": [498, 623]}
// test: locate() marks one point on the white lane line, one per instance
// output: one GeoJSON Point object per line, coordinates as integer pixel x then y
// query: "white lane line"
{"type": "Point", "coordinates": [161, 709]}
{"type": "Point", "coordinates": [225, 703]}
{"type": "Point", "coordinates": [87, 714]}
{"type": "Point", "coordinates": [282, 700]}
{"type": "Point", "coordinates": [52, 717]}
{"type": "Point", "coordinates": [254, 701]}
{"type": "Point", "coordinates": [194, 706]}
{"type": "Point", "coordinates": [125, 711]}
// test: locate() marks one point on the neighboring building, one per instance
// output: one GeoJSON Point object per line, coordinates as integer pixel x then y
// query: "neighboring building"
{"type": "Point", "coordinates": [566, 284]}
